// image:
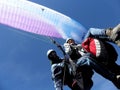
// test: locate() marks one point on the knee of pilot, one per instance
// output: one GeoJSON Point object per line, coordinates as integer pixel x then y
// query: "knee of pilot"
{"type": "Point", "coordinates": [92, 30]}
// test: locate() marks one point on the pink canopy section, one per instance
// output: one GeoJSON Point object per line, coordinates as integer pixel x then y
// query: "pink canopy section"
{"type": "Point", "coordinates": [38, 19]}
{"type": "Point", "coordinates": [14, 15]}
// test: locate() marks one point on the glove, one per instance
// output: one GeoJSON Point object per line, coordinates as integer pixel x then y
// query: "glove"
{"type": "Point", "coordinates": [79, 47]}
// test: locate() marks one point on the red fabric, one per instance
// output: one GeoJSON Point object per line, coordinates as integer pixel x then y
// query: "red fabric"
{"type": "Point", "coordinates": [89, 45]}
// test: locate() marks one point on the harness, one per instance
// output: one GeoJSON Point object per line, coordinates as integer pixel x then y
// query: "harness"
{"type": "Point", "coordinates": [72, 66]}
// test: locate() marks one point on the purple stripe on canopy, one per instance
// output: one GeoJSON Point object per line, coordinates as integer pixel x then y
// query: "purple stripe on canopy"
{"type": "Point", "coordinates": [23, 20]}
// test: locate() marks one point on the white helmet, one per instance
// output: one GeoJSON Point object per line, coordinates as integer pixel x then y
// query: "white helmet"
{"type": "Point", "coordinates": [51, 54]}
{"type": "Point", "coordinates": [49, 51]}
{"type": "Point", "coordinates": [68, 39]}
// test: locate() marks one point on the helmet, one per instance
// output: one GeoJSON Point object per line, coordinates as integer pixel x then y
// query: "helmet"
{"type": "Point", "coordinates": [49, 51]}
{"type": "Point", "coordinates": [50, 54]}
{"type": "Point", "coordinates": [68, 39]}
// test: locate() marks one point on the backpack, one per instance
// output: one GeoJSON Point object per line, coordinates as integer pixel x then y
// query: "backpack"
{"type": "Point", "coordinates": [102, 50]}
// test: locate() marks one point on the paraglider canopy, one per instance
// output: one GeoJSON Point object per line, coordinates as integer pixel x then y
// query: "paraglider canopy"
{"type": "Point", "coordinates": [38, 19]}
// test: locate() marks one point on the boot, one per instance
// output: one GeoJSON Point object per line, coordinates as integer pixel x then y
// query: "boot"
{"type": "Point", "coordinates": [116, 82]}
{"type": "Point", "coordinates": [118, 42]}
{"type": "Point", "coordinates": [114, 34]}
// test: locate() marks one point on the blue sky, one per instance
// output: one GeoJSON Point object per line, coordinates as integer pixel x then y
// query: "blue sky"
{"type": "Point", "coordinates": [23, 61]}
